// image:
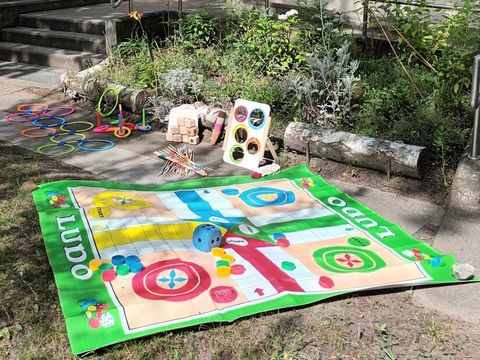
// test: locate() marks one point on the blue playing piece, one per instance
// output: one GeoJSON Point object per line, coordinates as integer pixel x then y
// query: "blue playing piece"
{"type": "Point", "coordinates": [136, 267]}
{"type": "Point", "coordinates": [131, 259]}
{"type": "Point", "coordinates": [206, 237]}
{"type": "Point", "coordinates": [436, 261]}
{"type": "Point", "coordinates": [118, 260]}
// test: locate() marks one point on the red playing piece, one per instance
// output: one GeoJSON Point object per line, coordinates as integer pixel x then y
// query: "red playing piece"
{"type": "Point", "coordinates": [94, 323]}
{"type": "Point", "coordinates": [237, 269]}
{"type": "Point", "coordinates": [109, 275]}
{"type": "Point", "coordinates": [326, 282]}
{"type": "Point", "coordinates": [283, 242]}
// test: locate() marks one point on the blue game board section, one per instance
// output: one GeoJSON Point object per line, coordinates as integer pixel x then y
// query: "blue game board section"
{"type": "Point", "coordinates": [202, 208]}
{"type": "Point", "coordinates": [267, 196]}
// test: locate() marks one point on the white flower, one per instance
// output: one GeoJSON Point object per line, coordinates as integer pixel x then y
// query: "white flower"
{"type": "Point", "coordinates": [282, 17]}
{"type": "Point", "coordinates": [291, 12]}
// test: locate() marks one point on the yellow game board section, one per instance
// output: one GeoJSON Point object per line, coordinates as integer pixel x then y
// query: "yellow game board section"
{"type": "Point", "coordinates": [152, 232]}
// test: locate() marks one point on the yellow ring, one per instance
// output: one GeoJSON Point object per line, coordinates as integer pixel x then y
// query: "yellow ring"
{"type": "Point", "coordinates": [126, 132]}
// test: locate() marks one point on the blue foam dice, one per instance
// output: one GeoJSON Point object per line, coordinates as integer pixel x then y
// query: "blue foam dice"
{"type": "Point", "coordinates": [206, 237]}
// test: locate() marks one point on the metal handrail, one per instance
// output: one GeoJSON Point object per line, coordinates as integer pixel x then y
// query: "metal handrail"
{"type": "Point", "coordinates": [475, 146]}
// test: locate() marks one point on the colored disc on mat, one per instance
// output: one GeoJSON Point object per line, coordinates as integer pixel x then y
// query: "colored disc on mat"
{"type": "Point", "coordinates": [44, 132]}
{"type": "Point", "coordinates": [136, 267]}
{"type": "Point", "coordinates": [283, 242]}
{"type": "Point", "coordinates": [105, 267]}
{"type": "Point", "coordinates": [109, 275]}
{"type": "Point", "coordinates": [237, 269]}
{"type": "Point", "coordinates": [224, 270]}
{"type": "Point", "coordinates": [94, 264]}
{"type": "Point", "coordinates": [118, 260]}
{"type": "Point", "coordinates": [229, 258]}
{"type": "Point", "coordinates": [217, 251]}
{"type": "Point", "coordinates": [222, 263]}
{"type": "Point", "coordinates": [325, 282]}
{"type": "Point", "coordinates": [123, 269]}
{"type": "Point", "coordinates": [131, 259]}
{"type": "Point", "coordinates": [288, 266]}
{"type": "Point", "coordinates": [88, 126]}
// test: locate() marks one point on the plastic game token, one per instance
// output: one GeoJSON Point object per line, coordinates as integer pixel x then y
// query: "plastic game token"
{"type": "Point", "coordinates": [277, 236]}
{"type": "Point", "coordinates": [222, 263]}
{"type": "Point", "coordinates": [223, 294]}
{"type": "Point", "coordinates": [123, 269]}
{"type": "Point", "coordinates": [89, 314]}
{"type": "Point", "coordinates": [229, 258]}
{"type": "Point", "coordinates": [436, 261]}
{"type": "Point", "coordinates": [85, 304]}
{"type": "Point", "coordinates": [223, 270]}
{"type": "Point", "coordinates": [92, 308]}
{"type": "Point", "coordinates": [288, 266]}
{"type": "Point", "coordinates": [283, 242]}
{"type": "Point", "coordinates": [94, 264]}
{"type": "Point", "coordinates": [218, 251]}
{"type": "Point", "coordinates": [325, 282]}
{"type": "Point", "coordinates": [136, 267]}
{"type": "Point", "coordinates": [94, 323]}
{"type": "Point", "coordinates": [105, 267]}
{"type": "Point", "coordinates": [237, 269]}
{"type": "Point", "coordinates": [109, 275]}
{"type": "Point", "coordinates": [131, 259]}
{"type": "Point", "coordinates": [118, 260]}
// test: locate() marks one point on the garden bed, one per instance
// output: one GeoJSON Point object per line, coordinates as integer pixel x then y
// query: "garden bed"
{"type": "Point", "coordinates": [307, 68]}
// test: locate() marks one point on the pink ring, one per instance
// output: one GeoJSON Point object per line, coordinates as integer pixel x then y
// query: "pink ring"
{"type": "Point", "coordinates": [101, 128]}
{"type": "Point", "coordinates": [69, 110]}
{"type": "Point", "coordinates": [10, 117]}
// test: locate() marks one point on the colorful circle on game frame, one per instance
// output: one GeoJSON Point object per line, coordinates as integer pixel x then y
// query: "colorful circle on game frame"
{"type": "Point", "coordinates": [54, 138]}
{"type": "Point", "coordinates": [262, 121]}
{"type": "Point", "coordinates": [237, 269]}
{"type": "Point", "coordinates": [267, 196]}
{"type": "Point", "coordinates": [223, 294]}
{"type": "Point", "coordinates": [344, 259]}
{"type": "Point", "coordinates": [26, 132]}
{"type": "Point", "coordinates": [230, 192]}
{"type": "Point", "coordinates": [358, 241]}
{"type": "Point", "coordinates": [240, 133]}
{"type": "Point", "coordinates": [237, 154]}
{"type": "Point", "coordinates": [196, 280]}
{"type": "Point", "coordinates": [99, 212]}
{"type": "Point", "coordinates": [85, 128]}
{"type": "Point", "coordinates": [253, 146]}
{"type": "Point", "coordinates": [241, 113]}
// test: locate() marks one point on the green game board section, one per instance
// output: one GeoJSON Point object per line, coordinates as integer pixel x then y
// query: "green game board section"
{"type": "Point", "coordinates": [65, 235]}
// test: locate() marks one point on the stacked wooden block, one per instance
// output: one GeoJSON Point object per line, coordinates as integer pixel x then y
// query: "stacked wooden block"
{"type": "Point", "coordinates": [185, 130]}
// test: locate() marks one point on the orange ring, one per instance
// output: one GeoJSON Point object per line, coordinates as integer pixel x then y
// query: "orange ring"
{"type": "Point", "coordinates": [24, 132]}
{"type": "Point", "coordinates": [253, 141]}
{"type": "Point", "coordinates": [126, 132]}
{"type": "Point", "coordinates": [25, 107]}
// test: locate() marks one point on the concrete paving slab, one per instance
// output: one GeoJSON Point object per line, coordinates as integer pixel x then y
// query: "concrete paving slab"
{"type": "Point", "coordinates": [459, 236]}
{"type": "Point", "coordinates": [11, 101]}
{"type": "Point", "coordinates": [410, 214]}
{"type": "Point", "coordinates": [29, 75]}
{"type": "Point", "coordinates": [8, 88]}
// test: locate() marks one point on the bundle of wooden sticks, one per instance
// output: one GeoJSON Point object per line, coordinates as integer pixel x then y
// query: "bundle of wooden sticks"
{"type": "Point", "coordinates": [181, 161]}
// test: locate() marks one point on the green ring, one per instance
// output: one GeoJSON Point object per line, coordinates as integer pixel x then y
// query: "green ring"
{"type": "Point", "coordinates": [82, 137]}
{"type": "Point", "coordinates": [223, 263]}
{"type": "Point", "coordinates": [70, 150]}
{"type": "Point", "coordinates": [99, 106]}
{"type": "Point", "coordinates": [232, 150]}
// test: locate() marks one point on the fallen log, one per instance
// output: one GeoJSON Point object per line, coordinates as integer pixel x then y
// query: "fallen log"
{"type": "Point", "coordinates": [357, 150]}
{"type": "Point", "coordinates": [86, 84]}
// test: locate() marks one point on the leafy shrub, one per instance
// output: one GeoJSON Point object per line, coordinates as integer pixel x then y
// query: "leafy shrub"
{"type": "Point", "coordinates": [196, 31]}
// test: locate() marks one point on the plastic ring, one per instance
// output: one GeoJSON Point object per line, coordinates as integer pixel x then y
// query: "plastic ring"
{"type": "Point", "coordinates": [70, 147]}
{"type": "Point", "coordinates": [262, 124]}
{"type": "Point", "coordinates": [26, 131]}
{"type": "Point", "coordinates": [31, 107]}
{"type": "Point", "coordinates": [35, 122]}
{"type": "Point", "coordinates": [101, 129]}
{"type": "Point", "coordinates": [122, 135]}
{"type": "Point", "coordinates": [145, 128]}
{"type": "Point", "coordinates": [241, 117]}
{"type": "Point", "coordinates": [117, 95]}
{"type": "Point", "coordinates": [82, 137]}
{"type": "Point", "coordinates": [69, 110]}
{"type": "Point", "coordinates": [90, 125]}
{"type": "Point", "coordinates": [11, 117]}
{"type": "Point", "coordinates": [81, 145]}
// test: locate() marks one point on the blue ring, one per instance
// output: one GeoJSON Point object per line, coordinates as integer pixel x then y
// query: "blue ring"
{"type": "Point", "coordinates": [139, 127]}
{"type": "Point", "coordinates": [110, 144]}
{"type": "Point", "coordinates": [264, 119]}
{"type": "Point", "coordinates": [35, 121]}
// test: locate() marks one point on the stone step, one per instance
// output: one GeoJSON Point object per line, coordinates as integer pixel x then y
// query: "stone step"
{"type": "Point", "coordinates": [56, 39]}
{"type": "Point", "coordinates": [50, 22]}
{"type": "Point", "coordinates": [48, 56]}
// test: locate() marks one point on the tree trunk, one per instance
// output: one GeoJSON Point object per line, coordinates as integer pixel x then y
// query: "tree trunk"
{"type": "Point", "coordinates": [86, 84]}
{"type": "Point", "coordinates": [363, 151]}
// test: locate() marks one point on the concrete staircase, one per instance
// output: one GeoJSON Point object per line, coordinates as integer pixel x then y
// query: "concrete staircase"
{"type": "Point", "coordinates": [47, 40]}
